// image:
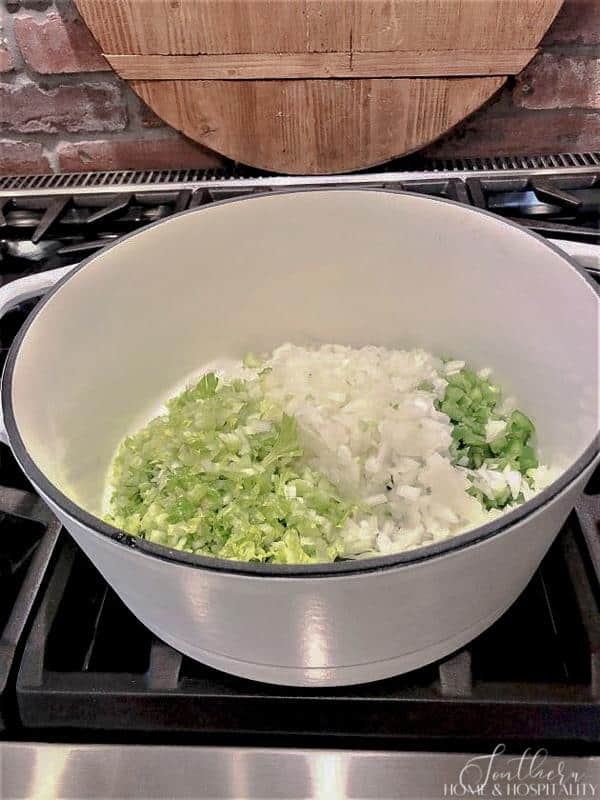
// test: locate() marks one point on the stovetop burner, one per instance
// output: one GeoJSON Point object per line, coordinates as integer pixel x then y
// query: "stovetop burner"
{"type": "Point", "coordinates": [562, 206]}
{"type": "Point", "coordinates": [44, 233]}
{"type": "Point", "coordinates": [48, 228]}
{"type": "Point", "coordinates": [28, 537]}
{"type": "Point", "coordinates": [75, 665]}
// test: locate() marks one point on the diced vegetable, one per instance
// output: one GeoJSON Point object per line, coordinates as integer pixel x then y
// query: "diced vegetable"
{"type": "Point", "coordinates": [313, 454]}
{"type": "Point", "coordinates": [484, 437]}
{"type": "Point", "coordinates": [219, 474]}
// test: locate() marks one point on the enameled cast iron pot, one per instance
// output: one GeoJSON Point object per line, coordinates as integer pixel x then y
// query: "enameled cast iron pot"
{"type": "Point", "coordinates": [120, 333]}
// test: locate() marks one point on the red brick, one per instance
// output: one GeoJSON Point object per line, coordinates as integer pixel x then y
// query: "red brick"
{"type": "Point", "coordinates": [33, 5]}
{"type": "Point", "coordinates": [55, 45]}
{"type": "Point", "coordinates": [578, 22]}
{"type": "Point", "coordinates": [6, 60]}
{"type": "Point", "coordinates": [557, 81]}
{"type": "Point", "coordinates": [523, 132]}
{"type": "Point", "coordinates": [81, 108]}
{"type": "Point", "coordinates": [21, 158]}
{"type": "Point", "coordinates": [172, 152]}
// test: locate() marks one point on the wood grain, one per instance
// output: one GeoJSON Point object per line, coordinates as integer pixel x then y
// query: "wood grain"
{"type": "Point", "coordinates": [254, 66]}
{"type": "Point", "coordinates": [316, 85]}
{"type": "Point", "coordinates": [196, 27]}
{"type": "Point", "coordinates": [317, 126]}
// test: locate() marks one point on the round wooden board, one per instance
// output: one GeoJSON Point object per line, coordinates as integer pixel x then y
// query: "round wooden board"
{"type": "Point", "coordinates": [317, 126]}
{"type": "Point", "coordinates": [316, 86]}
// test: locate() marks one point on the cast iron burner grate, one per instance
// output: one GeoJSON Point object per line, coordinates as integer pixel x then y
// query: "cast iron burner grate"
{"type": "Point", "coordinates": [29, 536]}
{"type": "Point", "coordinates": [533, 677]}
{"type": "Point", "coordinates": [564, 207]}
{"type": "Point", "coordinates": [45, 230]}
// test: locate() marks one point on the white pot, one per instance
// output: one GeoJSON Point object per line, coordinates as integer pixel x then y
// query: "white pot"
{"type": "Point", "coordinates": [117, 336]}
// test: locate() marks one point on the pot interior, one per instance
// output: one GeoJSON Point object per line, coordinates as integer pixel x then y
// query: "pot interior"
{"type": "Point", "coordinates": [354, 267]}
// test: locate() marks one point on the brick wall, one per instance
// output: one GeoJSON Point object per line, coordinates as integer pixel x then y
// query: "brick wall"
{"type": "Point", "coordinates": [62, 109]}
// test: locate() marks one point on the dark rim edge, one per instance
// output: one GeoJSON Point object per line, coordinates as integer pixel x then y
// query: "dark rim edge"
{"type": "Point", "coordinates": [338, 568]}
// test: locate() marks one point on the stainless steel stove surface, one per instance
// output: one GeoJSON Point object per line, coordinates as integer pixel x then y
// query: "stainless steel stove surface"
{"type": "Point", "coordinates": [79, 672]}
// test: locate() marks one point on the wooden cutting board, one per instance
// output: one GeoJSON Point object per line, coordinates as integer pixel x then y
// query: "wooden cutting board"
{"type": "Point", "coordinates": [316, 86]}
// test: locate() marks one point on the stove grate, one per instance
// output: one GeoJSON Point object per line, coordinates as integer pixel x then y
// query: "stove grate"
{"type": "Point", "coordinates": [29, 537]}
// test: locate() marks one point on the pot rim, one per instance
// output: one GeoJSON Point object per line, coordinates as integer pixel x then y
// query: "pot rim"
{"type": "Point", "coordinates": [337, 568]}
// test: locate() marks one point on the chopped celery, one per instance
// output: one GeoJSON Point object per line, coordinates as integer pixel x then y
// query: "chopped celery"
{"type": "Point", "coordinates": [219, 474]}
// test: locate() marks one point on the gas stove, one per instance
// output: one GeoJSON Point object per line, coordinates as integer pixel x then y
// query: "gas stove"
{"type": "Point", "coordinates": [84, 687]}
